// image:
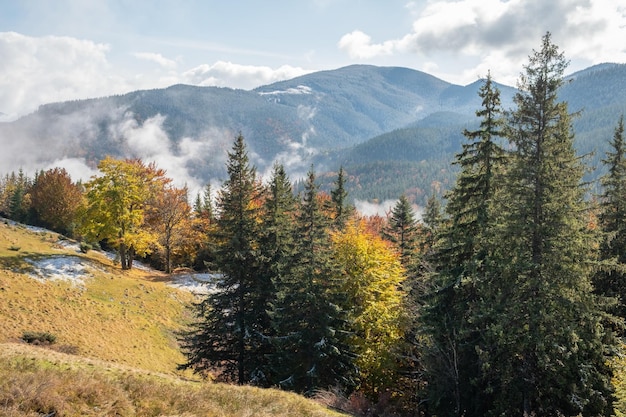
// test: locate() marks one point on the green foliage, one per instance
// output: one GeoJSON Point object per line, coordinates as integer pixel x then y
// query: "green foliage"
{"type": "Point", "coordinates": [232, 322]}
{"type": "Point", "coordinates": [39, 338]}
{"type": "Point", "coordinates": [609, 281]}
{"type": "Point", "coordinates": [544, 349]}
{"type": "Point", "coordinates": [313, 345]}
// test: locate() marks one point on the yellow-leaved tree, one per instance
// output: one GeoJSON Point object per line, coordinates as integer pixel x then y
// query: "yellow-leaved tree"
{"type": "Point", "coordinates": [373, 276]}
{"type": "Point", "coordinates": [116, 206]}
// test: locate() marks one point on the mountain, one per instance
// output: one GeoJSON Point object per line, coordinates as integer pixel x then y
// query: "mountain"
{"type": "Point", "coordinates": [387, 126]}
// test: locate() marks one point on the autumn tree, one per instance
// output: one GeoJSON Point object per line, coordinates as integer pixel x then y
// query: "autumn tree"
{"type": "Point", "coordinates": [116, 206]}
{"type": "Point", "coordinates": [169, 217]}
{"type": "Point", "coordinates": [373, 276]}
{"type": "Point", "coordinates": [56, 200]}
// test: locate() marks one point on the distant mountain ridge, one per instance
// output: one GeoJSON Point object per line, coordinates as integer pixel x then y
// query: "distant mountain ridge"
{"type": "Point", "coordinates": [356, 116]}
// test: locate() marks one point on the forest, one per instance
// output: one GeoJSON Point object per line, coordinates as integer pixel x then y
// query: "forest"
{"type": "Point", "coordinates": [505, 299]}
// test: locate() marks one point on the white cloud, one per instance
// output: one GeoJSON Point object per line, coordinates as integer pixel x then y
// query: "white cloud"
{"type": "Point", "coordinates": [359, 45]}
{"type": "Point", "coordinates": [222, 74]}
{"type": "Point", "coordinates": [158, 58]}
{"type": "Point", "coordinates": [40, 70]}
{"type": "Point", "coordinates": [463, 39]}
{"type": "Point", "coordinates": [51, 68]}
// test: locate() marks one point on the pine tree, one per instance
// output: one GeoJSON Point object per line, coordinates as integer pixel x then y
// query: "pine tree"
{"type": "Point", "coordinates": [277, 251]}
{"type": "Point", "coordinates": [402, 231]}
{"type": "Point", "coordinates": [542, 348]}
{"type": "Point", "coordinates": [232, 321]}
{"type": "Point", "coordinates": [461, 259]}
{"type": "Point", "coordinates": [612, 221]}
{"type": "Point", "coordinates": [342, 210]}
{"type": "Point", "coordinates": [311, 323]}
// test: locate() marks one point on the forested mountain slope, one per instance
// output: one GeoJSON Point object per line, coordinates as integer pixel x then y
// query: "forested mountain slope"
{"type": "Point", "coordinates": [375, 121]}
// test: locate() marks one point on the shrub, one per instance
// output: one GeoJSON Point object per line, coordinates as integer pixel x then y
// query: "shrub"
{"type": "Point", "coordinates": [39, 338]}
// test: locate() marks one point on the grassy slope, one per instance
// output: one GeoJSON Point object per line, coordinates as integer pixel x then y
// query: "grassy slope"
{"type": "Point", "coordinates": [119, 327]}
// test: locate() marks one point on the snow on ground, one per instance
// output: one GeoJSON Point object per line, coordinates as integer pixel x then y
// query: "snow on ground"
{"type": "Point", "coordinates": [196, 283]}
{"type": "Point", "coordinates": [67, 268]}
{"type": "Point", "coordinates": [76, 269]}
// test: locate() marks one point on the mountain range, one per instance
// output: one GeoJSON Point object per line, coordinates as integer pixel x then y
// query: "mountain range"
{"type": "Point", "coordinates": [394, 130]}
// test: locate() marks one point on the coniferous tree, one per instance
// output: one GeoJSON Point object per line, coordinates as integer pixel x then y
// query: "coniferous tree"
{"type": "Point", "coordinates": [232, 321]}
{"type": "Point", "coordinates": [277, 250]}
{"type": "Point", "coordinates": [402, 231]}
{"type": "Point", "coordinates": [543, 348]}
{"type": "Point", "coordinates": [342, 210]}
{"type": "Point", "coordinates": [309, 315]}
{"type": "Point", "coordinates": [612, 221]}
{"type": "Point", "coordinates": [462, 258]}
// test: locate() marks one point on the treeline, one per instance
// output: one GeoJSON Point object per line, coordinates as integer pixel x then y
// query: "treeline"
{"type": "Point", "coordinates": [130, 207]}
{"type": "Point", "coordinates": [507, 301]}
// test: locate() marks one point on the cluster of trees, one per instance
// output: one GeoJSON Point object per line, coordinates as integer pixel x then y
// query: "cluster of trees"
{"type": "Point", "coordinates": [507, 301]}
{"type": "Point", "coordinates": [131, 207]}
{"type": "Point", "coordinates": [310, 295]}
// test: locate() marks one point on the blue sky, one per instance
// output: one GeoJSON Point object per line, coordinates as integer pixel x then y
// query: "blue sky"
{"type": "Point", "coordinates": [55, 50]}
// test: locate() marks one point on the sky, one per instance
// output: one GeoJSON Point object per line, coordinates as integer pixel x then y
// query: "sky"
{"type": "Point", "coordinates": [58, 50]}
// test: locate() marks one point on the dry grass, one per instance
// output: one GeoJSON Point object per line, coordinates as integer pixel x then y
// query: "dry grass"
{"type": "Point", "coordinates": [35, 382]}
{"type": "Point", "coordinates": [125, 317]}
{"type": "Point", "coordinates": [120, 329]}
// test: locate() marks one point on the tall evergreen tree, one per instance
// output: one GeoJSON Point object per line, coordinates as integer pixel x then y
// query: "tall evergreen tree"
{"type": "Point", "coordinates": [543, 347]}
{"type": "Point", "coordinates": [338, 195]}
{"type": "Point", "coordinates": [612, 221]}
{"type": "Point", "coordinates": [310, 318]}
{"type": "Point", "coordinates": [277, 251]}
{"type": "Point", "coordinates": [462, 257]}
{"type": "Point", "coordinates": [232, 321]}
{"type": "Point", "coordinates": [402, 231]}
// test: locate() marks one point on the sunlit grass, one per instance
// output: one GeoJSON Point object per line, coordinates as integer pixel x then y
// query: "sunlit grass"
{"type": "Point", "coordinates": [33, 382]}
{"type": "Point", "coordinates": [119, 327]}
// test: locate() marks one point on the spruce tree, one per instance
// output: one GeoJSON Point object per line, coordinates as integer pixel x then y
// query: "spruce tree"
{"type": "Point", "coordinates": [461, 259]}
{"type": "Point", "coordinates": [612, 221]}
{"type": "Point", "coordinates": [277, 251]}
{"type": "Point", "coordinates": [310, 318]}
{"type": "Point", "coordinates": [338, 195]}
{"type": "Point", "coordinates": [402, 231]}
{"type": "Point", "coordinates": [543, 348]}
{"type": "Point", "coordinates": [232, 321]}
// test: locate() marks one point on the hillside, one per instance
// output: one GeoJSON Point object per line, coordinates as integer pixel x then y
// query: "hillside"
{"type": "Point", "coordinates": [328, 118]}
{"type": "Point", "coordinates": [115, 349]}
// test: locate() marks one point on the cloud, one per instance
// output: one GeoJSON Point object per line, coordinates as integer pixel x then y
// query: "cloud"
{"type": "Point", "coordinates": [158, 58]}
{"type": "Point", "coordinates": [48, 69]}
{"type": "Point", "coordinates": [222, 74]}
{"type": "Point", "coordinates": [466, 38]}
{"type": "Point", "coordinates": [40, 70]}
{"type": "Point", "coordinates": [358, 45]}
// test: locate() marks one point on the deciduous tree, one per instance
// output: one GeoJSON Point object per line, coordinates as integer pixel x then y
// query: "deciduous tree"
{"type": "Point", "coordinates": [56, 200]}
{"type": "Point", "coordinates": [116, 206]}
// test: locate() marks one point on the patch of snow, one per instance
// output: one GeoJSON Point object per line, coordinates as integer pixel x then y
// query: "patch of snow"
{"type": "Point", "coordinates": [67, 268]}
{"type": "Point", "coordinates": [301, 89]}
{"type": "Point", "coordinates": [196, 283]}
